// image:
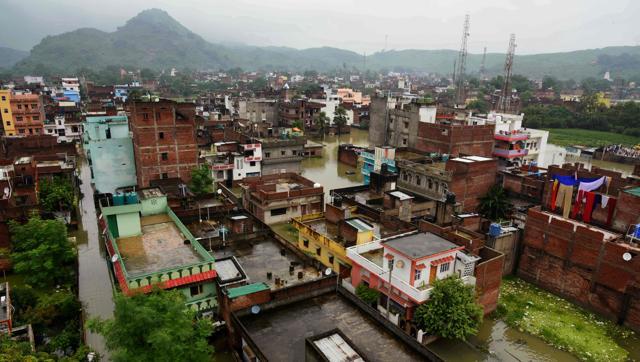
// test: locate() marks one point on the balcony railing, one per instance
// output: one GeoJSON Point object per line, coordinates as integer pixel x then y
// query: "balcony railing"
{"type": "Point", "coordinates": [419, 295]}
{"type": "Point", "coordinates": [511, 137]}
{"type": "Point", "coordinates": [499, 152]}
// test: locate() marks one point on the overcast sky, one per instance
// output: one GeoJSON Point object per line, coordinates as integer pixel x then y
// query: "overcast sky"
{"type": "Point", "coordinates": [359, 25]}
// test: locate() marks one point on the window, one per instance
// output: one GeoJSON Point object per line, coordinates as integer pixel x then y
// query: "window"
{"type": "Point", "coordinates": [282, 153]}
{"type": "Point", "coordinates": [145, 116]}
{"type": "Point", "coordinates": [404, 141]}
{"type": "Point", "coordinates": [305, 242]}
{"type": "Point", "coordinates": [30, 130]}
{"type": "Point", "coordinates": [330, 259]}
{"type": "Point", "coordinates": [19, 106]}
{"type": "Point", "coordinates": [267, 154]}
{"type": "Point", "coordinates": [406, 125]}
{"type": "Point", "coordinates": [405, 176]}
{"type": "Point", "coordinates": [444, 267]}
{"type": "Point", "coordinates": [6, 110]}
{"type": "Point", "coordinates": [165, 156]}
{"type": "Point", "coordinates": [390, 263]}
{"type": "Point", "coordinates": [417, 274]}
{"type": "Point", "coordinates": [418, 180]}
{"type": "Point", "coordinates": [35, 118]}
{"type": "Point", "coordinates": [4, 98]}
{"type": "Point", "coordinates": [108, 133]}
{"type": "Point", "coordinates": [430, 184]}
{"type": "Point", "coordinates": [252, 163]}
{"type": "Point", "coordinates": [280, 211]}
{"type": "Point", "coordinates": [33, 106]}
{"type": "Point", "coordinates": [319, 251]}
{"type": "Point", "coordinates": [164, 175]}
{"type": "Point", "coordinates": [196, 290]}
{"type": "Point", "coordinates": [8, 123]}
{"type": "Point", "coordinates": [161, 135]}
{"type": "Point", "coordinates": [21, 131]}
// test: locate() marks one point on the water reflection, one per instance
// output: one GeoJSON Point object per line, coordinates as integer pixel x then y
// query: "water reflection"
{"type": "Point", "coordinates": [557, 155]}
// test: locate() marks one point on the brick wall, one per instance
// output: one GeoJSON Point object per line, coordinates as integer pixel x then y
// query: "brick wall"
{"type": "Point", "coordinates": [455, 139]}
{"type": "Point", "coordinates": [471, 181]}
{"type": "Point", "coordinates": [488, 275]}
{"type": "Point", "coordinates": [582, 267]}
{"type": "Point", "coordinates": [163, 128]}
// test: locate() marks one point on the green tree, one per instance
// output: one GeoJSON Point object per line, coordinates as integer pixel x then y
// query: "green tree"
{"type": "Point", "coordinates": [42, 252]}
{"type": "Point", "coordinates": [321, 122]}
{"type": "Point", "coordinates": [494, 205]}
{"type": "Point", "coordinates": [451, 311]}
{"type": "Point", "coordinates": [56, 194]}
{"type": "Point", "coordinates": [201, 180]}
{"type": "Point", "coordinates": [147, 74]}
{"type": "Point", "coordinates": [480, 105]}
{"type": "Point", "coordinates": [155, 327]}
{"type": "Point", "coordinates": [368, 295]}
{"type": "Point", "coordinates": [340, 119]}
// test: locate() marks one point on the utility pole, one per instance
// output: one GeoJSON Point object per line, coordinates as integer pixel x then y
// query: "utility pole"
{"type": "Point", "coordinates": [482, 65]}
{"type": "Point", "coordinates": [461, 63]}
{"type": "Point", "coordinates": [389, 289]}
{"type": "Point", "coordinates": [504, 103]}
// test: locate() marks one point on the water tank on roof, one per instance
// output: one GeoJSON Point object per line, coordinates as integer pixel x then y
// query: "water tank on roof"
{"type": "Point", "coordinates": [445, 157]}
{"type": "Point", "coordinates": [132, 198]}
{"type": "Point", "coordinates": [495, 230]}
{"type": "Point", "coordinates": [118, 199]}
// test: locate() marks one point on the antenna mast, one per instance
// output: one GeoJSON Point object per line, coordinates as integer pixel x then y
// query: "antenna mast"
{"type": "Point", "coordinates": [504, 103]}
{"type": "Point", "coordinates": [461, 63]}
{"type": "Point", "coordinates": [482, 65]}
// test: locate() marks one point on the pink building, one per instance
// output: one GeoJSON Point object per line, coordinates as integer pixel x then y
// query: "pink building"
{"type": "Point", "coordinates": [411, 264]}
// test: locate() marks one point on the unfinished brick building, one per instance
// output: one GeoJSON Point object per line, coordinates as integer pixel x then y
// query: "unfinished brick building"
{"type": "Point", "coordinates": [584, 264]}
{"type": "Point", "coordinates": [455, 138]}
{"type": "Point", "coordinates": [164, 140]}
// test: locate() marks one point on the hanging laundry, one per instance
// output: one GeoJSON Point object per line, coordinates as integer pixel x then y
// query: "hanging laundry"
{"type": "Point", "coordinates": [597, 201]}
{"type": "Point", "coordinates": [588, 207]}
{"type": "Point", "coordinates": [554, 194]}
{"type": "Point", "coordinates": [565, 192]}
{"type": "Point", "coordinates": [566, 180]}
{"type": "Point", "coordinates": [612, 206]}
{"type": "Point", "coordinates": [605, 200]}
{"type": "Point", "coordinates": [577, 205]}
{"type": "Point", "coordinates": [593, 185]}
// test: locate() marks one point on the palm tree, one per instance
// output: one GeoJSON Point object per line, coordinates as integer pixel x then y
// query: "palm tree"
{"type": "Point", "coordinates": [495, 205]}
{"type": "Point", "coordinates": [321, 122]}
{"type": "Point", "coordinates": [340, 119]}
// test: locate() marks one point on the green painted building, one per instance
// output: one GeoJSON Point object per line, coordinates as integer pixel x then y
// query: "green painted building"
{"type": "Point", "coordinates": [149, 246]}
{"type": "Point", "coordinates": [109, 149]}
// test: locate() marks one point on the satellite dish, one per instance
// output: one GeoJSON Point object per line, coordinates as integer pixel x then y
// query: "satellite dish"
{"type": "Point", "coordinates": [114, 258]}
{"type": "Point", "coordinates": [327, 271]}
{"type": "Point", "coordinates": [626, 256]}
{"type": "Point", "coordinates": [255, 309]}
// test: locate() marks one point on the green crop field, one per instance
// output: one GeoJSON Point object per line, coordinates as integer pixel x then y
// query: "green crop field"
{"type": "Point", "coordinates": [585, 137]}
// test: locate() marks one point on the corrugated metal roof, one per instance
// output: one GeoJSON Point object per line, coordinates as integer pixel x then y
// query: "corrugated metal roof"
{"type": "Point", "coordinates": [360, 225]}
{"type": "Point", "coordinates": [336, 349]}
{"type": "Point", "coordinates": [246, 289]}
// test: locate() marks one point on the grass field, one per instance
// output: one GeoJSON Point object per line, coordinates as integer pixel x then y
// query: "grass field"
{"type": "Point", "coordinates": [585, 137]}
{"type": "Point", "coordinates": [286, 231]}
{"type": "Point", "coordinates": [560, 323]}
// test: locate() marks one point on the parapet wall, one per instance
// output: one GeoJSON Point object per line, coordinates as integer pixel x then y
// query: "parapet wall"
{"type": "Point", "coordinates": [577, 263]}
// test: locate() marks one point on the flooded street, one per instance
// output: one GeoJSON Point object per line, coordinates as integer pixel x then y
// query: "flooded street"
{"type": "Point", "coordinates": [95, 288]}
{"type": "Point", "coordinates": [557, 155]}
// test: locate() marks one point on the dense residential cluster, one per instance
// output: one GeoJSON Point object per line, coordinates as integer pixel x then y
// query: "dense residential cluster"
{"type": "Point", "coordinates": [191, 200]}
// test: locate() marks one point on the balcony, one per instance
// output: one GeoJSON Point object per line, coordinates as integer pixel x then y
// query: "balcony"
{"type": "Point", "coordinates": [511, 137]}
{"type": "Point", "coordinates": [419, 295]}
{"type": "Point", "coordinates": [499, 152]}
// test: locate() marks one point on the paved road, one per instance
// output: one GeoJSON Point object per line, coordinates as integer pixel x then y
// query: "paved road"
{"type": "Point", "coordinates": [96, 291]}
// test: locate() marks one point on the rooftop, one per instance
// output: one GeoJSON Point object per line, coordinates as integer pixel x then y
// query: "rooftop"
{"type": "Point", "coordinates": [161, 246]}
{"type": "Point", "coordinates": [360, 222]}
{"type": "Point", "coordinates": [420, 245]}
{"type": "Point", "coordinates": [259, 258]}
{"type": "Point", "coordinates": [280, 333]}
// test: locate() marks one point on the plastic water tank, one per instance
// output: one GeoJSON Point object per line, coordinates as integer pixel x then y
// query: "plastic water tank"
{"type": "Point", "coordinates": [495, 230]}
{"type": "Point", "coordinates": [132, 198]}
{"type": "Point", "coordinates": [118, 199]}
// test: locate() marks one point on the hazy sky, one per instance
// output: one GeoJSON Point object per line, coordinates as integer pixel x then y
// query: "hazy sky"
{"type": "Point", "coordinates": [359, 25]}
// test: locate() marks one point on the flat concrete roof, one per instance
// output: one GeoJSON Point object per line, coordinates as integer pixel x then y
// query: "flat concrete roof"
{"type": "Point", "coordinates": [161, 246]}
{"type": "Point", "coordinates": [280, 334]}
{"type": "Point", "coordinates": [420, 245]}
{"type": "Point", "coordinates": [259, 258]}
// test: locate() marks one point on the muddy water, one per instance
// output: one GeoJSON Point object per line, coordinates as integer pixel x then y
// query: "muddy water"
{"type": "Point", "coordinates": [557, 155]}
{"type": "Point", "coordinates": [95, 288]}
{"type": "Point", "coordinates": [495, 341]}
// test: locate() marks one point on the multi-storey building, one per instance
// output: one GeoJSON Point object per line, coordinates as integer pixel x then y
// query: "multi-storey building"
{"type": "Point", "coordinates": [109, 149]}
{"type": "Point", "coordinates": [278, 198]}
{"type": "Point", "coordinates": [71, 89]}
{"type": "Point", "coordinates": [282, 155]}
{"type": "Point", "coordinates": [164, 139]}
{"type": "Point", "coordinates": [22, 113]}
{"type": "Point", "coordinates": [404, 268]}
{"type": "Point", "coordinates": [149, 246]}
{"type": "Point", "coordinates": [231, 161]}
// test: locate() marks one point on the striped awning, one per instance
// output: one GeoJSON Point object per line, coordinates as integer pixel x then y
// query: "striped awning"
{"type": "Point", "coordinates": [446, 259]}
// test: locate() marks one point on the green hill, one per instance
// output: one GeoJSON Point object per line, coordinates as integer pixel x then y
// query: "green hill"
{"type": "Point", "coordinates": [154, 39]}
{"type": "Point", "coordinates": [9, 56]}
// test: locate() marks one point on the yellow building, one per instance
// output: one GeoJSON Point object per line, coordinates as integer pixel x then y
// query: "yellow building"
{"type": "Point", "coordinates": [6, 114]}
{"type": "Point", "coordinates": [326, 241]}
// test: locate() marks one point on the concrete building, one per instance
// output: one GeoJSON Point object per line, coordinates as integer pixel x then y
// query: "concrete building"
{"type": "Point", "coordinates": [231, 161]}
{"type": "Point", "coordinates": [22, 113]}
{"type": "Point", "coordinates": [71, 89]}
{"type": "Point", "coordinates": [149, 246]}
{"type": "Point", "coordinates": [404, 269]}
{"type": "Point", "coordinates": [438, 178]}
{"type": "Point", "coordinates": [282, 155]}
{"type": "Point", "coordinates": [259, 110]}
{"type": "Point", "coordinates": [109, 149]}
{"type": "Point", "coordinates": [63, 130]}
{"type": "Point", "coordinates": [278, 198]}
{"type": "Point", "coordinates": [164, 139]}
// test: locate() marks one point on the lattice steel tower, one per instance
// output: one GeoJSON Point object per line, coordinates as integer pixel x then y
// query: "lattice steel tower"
{"type": "Point", "coordinates": [504, 103]}
{"type": "Point", "coordinates": [461, 63]}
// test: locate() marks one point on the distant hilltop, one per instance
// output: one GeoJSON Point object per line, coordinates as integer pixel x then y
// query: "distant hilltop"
{"type": "Point", "coordinates": [153, 39]}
